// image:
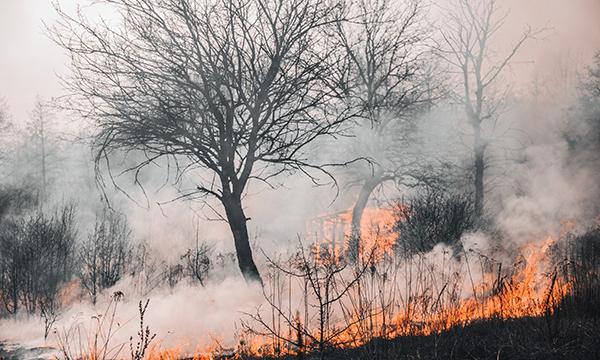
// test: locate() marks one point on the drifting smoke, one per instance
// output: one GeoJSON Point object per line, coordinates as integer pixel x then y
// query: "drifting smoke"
{"type": "Point", "coordinates": [537, 186]}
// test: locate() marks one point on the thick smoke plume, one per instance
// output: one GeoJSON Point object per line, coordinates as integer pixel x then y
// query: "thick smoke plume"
{"type": "Point", "coordinates": [538, 187]}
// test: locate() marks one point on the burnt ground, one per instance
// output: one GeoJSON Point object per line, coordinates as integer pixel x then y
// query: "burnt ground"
{"type": "Point", "coordinates": [527, 338]}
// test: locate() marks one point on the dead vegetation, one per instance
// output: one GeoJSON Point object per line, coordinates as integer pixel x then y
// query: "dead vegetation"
{"type": "Point", "coordinates": [418, 310]}
{"type": "Point", "coordinates": [239, 92]}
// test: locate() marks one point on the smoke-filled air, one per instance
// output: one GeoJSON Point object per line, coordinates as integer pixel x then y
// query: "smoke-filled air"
{"type": "Point", "coordinates": [299, 179]}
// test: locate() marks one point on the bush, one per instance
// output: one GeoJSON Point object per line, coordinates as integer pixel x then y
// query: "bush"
{"type": "Point", "coordinates": [430, 218]}
{"type": "Point", "coordinates": [197, 262]}
{"type": "Point", "coordinates": [582, 270]}
{"type": "Point", "coordinates": [36, 255]}
{"type": "Point", "coordinates": [15, 200]}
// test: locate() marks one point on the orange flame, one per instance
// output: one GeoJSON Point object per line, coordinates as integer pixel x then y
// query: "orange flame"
{"type": "Point", "coordinates": [526, 290]}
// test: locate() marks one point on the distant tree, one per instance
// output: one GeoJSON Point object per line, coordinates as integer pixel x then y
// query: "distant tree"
{"type": "Point", "coordinates": [146, 269]}
{"type": "Point", "coordinates": [15, 200]}
{"type": "Point", "coordinates": [386, 78]}
{"type": "Point", "coordinates": [197, 261]}
{"type": "Point", "coordinates": [3, 112]}
{"type": "Point", "coordinates": [173, 273]}
{"type": "Point", "coordinates": [582, 132]}
{"type": "Point", "coordinates": [106, 253]}
{"type": "Point", "coordinates": [14, 203]}
{"type": "Point", "coordinates": [38, 131]}
{"type": "Point", "coordinates": [11, 274]}
{"type": "Point", "coordinates": [48, 247]}
{"type": "Point", "coordinates": [5, 127]}
{"type": "Point", "coordinates": [237, 88]}
{"type": "Point", "coordinates": [34, 159]}
{"type": "Point", "coordinates": [36, 259]}
{"type": "Point", "coordinates": [583, 127]}
{"type": "Point", "coordinates": [468, 30]}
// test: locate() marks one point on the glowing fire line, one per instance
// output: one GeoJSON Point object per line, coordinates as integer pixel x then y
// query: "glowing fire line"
{"type": "Point", "coordinates": [529, 292]}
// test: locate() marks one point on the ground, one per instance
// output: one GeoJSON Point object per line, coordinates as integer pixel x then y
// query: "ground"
{"type": "Point", "coordinates": [527, 338]}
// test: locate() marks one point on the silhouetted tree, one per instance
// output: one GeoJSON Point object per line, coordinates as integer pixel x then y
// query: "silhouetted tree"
{"type": "Point", "coordinates": [466, 46]}
{"type": "Point", "coordinates": [5, 127]}
{"type": "Point", "coordinates": [38, 131]}
{"type": "Point", "coordinates": [385, 78]}
{"type": "Point", "coordinates": [237, 88]}
{"type": "Point", "coordinates": [105, 254]}
{"type": "Point", "coordinates": [583, 127]}
{"type": "Point", "coordinates": [36, 259]}
{"type": "Point", "coordinates": [197, 261]}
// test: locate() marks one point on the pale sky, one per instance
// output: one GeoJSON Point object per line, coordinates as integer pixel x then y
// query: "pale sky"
{"type": "Point", "coordinates": [29, 60]}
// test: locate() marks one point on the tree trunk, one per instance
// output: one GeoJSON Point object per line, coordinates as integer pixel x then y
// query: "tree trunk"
{"type": "Point", "coordinates": [357, 213]}
{"type": "Point", "coordinates": [479, 152]}
{"type": "Point", "coordinates": [238, 225]}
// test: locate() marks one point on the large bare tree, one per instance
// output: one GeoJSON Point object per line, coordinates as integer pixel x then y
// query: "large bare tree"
{"type": "Point", "coordinates": [237, 88]}
{"type": "Point", "coordinates": [386, 79]}
{"type": "Point", "coordinates": [470, 33]}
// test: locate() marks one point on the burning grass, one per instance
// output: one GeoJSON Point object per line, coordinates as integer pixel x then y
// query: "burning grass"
{"type": "Point", "coordinates": [451, 302]}
{"type": "Point", "coordinates": [387, 298]}
{"type": "Point", "coordinates": [521, 316]}
{"type": "Point", "coordinates": [321, 305]}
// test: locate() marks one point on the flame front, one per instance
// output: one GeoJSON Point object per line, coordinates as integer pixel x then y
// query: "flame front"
{"type": "Point", "coordinates": [396, 296]}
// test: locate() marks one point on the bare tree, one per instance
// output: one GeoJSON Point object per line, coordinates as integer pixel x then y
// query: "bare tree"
{"type": "Point", "coordinates": [197, 261]}
{"type": "Point", "coordinates": [105, 254]}
{"type": "Point", "coordinates": [5, 126]}
{"type": "Point", "coordinates": [3, 112]}
{"type": "Point", "coordinates": [146, 269]}
{"type": "Point", "coordinates": [49, 312]}
{"type": "Point", "coordinates": [325, 281]}
{"type": "Point", "coordinates": [36, 253]}
{"type": "Point", "coordinates": [385, 78]}
{"type": "Point", "coordinates": [14, 202]}
{"type": "Point", "coordinates": [229, 87]}
{"type": "Point", "coordinates": [583, 124]}
{"type": "Point", "coordinates": [38, 131]}
{"type": "Point", "coordinates": [467, 36]}
{"type": "Point", "coordinates": [47, 248]}
{"type": "Point", "coordinates": [173, 273]}
{"type": "Point", "coordinates": [582, 130]}
{"type": "Point", "coordinates": [11, 275]}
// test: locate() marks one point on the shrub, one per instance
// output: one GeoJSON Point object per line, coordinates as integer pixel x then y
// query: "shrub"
{"type": "Point", "coordinates": [432, 217]}
{"type": "Point", "coordinates": [36, 254]}
{"type": "Point", "coordinates": [197, 262]}
{"type": "Point", "coordinates": [582, 270]}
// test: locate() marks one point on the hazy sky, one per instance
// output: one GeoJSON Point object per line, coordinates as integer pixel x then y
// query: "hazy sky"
{"type": "Point", "coordinates": [29, 60]}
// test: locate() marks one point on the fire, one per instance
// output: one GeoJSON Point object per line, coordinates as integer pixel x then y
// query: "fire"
{"type": "Point", "coordinates": [403, 297]}
{"type": "Point", "coordinates": [177, 353]}
{"type": "Point", "coordinates": [530, 292]}
{"type": "Point", "coordinates": [333, 231]}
